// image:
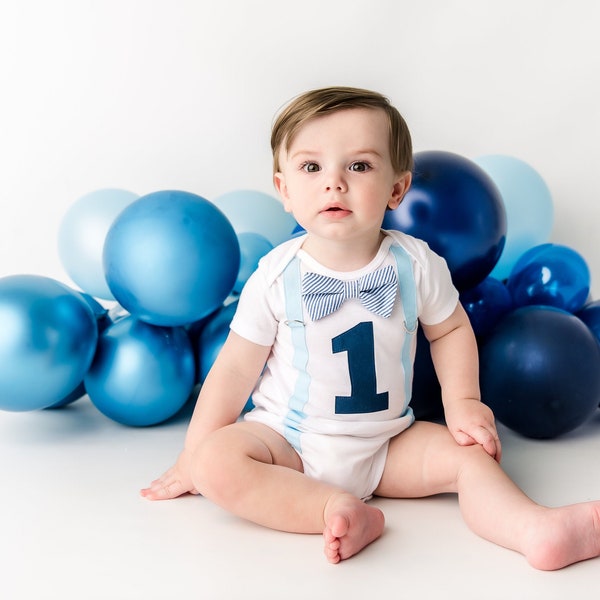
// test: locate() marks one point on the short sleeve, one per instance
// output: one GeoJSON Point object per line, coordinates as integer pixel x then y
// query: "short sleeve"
{"type": "Point", "coordinates": [254, 319]}
{"type": "Point", "coordinates": [438, 296]}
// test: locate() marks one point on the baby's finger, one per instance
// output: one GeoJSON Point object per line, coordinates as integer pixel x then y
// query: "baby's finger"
{"type": "Point", "coordinates": [490, 441]}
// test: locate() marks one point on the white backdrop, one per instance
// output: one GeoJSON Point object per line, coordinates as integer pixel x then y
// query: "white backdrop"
{"type": "Point", "coordinates": [179, 94]}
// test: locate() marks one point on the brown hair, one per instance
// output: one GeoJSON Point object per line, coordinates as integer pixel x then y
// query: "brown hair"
{"type": "Point", "coordinates": [331, 99]}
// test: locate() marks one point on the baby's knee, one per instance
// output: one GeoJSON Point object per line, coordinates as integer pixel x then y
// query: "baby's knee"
{"type": "Point", "coordinates": [209, 469]}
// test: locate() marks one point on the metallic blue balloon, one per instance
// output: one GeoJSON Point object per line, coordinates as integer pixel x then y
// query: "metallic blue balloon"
{"type": "Point", "coordinates": [102, 322]}
{"type": "Point", "coordinates": [253, 247]}
{"type": "Point", "coordinates": [142, 374]}
{"type": "Point", "coordinates": [454, 206]}
{"type": "Point", "coordinates": [551, 275]}
{"type": "Point", "coordinates": [48, 336]}
{"type": "Point", "coordinates": [210, 342]}
{"type": "Point", "coordinates": [212, 337]}
{"type": "Point", "coordinates": [171, 258]}
{"type": "Point", "coordinates": [590, 315]}
{"type": "Point", "coordinates": [540, 371]}
{"type": "Point", "coordinates": [486, 304]}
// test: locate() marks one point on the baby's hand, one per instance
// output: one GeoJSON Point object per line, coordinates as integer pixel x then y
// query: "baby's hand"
{"type": "Point", "coordinates": [173, 483]}
{"type": "Point", "coordinates": [471, 422]}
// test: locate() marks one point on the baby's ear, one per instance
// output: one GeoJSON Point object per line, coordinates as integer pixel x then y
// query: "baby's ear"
{"type": "Point", "coordinates": [281, 187]}
{"type": "Point", "coordinates": [400, 188]}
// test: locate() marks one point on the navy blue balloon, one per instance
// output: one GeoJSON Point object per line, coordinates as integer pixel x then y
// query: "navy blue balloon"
{"type": "Point", "coordinates": [142, 374]}
{"type": "Point", "coordinates": [590, 315]}
{"type": "Point", "coordinates": [48, 336]}
{"type": "Point", "coordinates": [486, 304]}
{"type": "Point", "coordinates": [171, 258]}
{"type": "Point", "coordinates": [455, 206]}
{"type": "Point", "coordinates": [540, 372]}
{"type": "Point", "coordinates": [552, 275]}
{"type": "Point", "coordinates": [426, 399]}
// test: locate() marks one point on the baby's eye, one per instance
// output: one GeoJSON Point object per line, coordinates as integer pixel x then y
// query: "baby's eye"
{"type": "Point", "coordinates": [310, 167]}
{"type": "Point", "coordinates": [360, 166]}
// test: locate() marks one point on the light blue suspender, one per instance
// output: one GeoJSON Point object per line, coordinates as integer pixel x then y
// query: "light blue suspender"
{"type": "Point", "coordinates": [292, 284]}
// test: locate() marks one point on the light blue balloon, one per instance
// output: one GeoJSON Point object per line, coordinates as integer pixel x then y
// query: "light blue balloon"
{"type": "Point", "coordinates": [253, 247]}
{"type": "Point", "coordinates": [528, 204]}
{"type": "Point", "coordinates": [81, 236]}
{"type": "Point", "coordinates": [171, 258]}
{"type": "Point", "coordinates": [250, 211]}
{"type": "Point", "coordinates": [141, 374]}
{"type": "Point", "coordinates": [48, 336]}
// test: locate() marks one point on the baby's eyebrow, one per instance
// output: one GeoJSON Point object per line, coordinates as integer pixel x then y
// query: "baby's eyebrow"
{"type": "Point", "coordinates": [300, 153]}
{"type": "Point", "coordinates": [367, 151]}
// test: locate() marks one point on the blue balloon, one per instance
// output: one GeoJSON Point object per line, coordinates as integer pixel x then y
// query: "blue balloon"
{"type": "Point", "coordinates": [486, 304]}
{"type": "Point", "coordinates": [551, 275]}
{"type": "Point", "coordinates": [211, 341]}
{"type": "Point", "coordinates": [426, 399]}
{"type": "Point", "coordinates": [528, 204]}
{"type": "Point", "coordinates": [142, 374]}
{"type": "Point", "coordinates": [48, 336]}
{"type": "Point", "coordinates": [250, 211]}
{"type": "Point", "coordinates": [457, 209]}
{"type": "Point", "coordinates": [171, 258]}
{"type": "Point", "coordinates": [253, 247]}
{"type": "Point", "coordinates": [81, 237]}
{"type": "Point", "coordinates": [76, 394]}
{"type": "Point", "coordinates": [590, 315]}
{"type": "Point", "coordinates": [212, 337]}
{"type": "Point", "coordinates": [540, 372]}
{"type": "Point", "coordinates": [102, 322]}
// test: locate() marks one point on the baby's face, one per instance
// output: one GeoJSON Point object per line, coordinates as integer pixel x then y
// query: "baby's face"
{"type": "Point", "coordinates": [337, 177]}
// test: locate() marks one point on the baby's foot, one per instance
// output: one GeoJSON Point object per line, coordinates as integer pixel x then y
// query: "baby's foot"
{"type": "Point", "coordinates": [564, 536]}
{"type": "Point", "coordinates": [350, 525]}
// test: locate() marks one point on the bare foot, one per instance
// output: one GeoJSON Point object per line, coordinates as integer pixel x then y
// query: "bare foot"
{"type": "Point", "coordinates": [350, 525]}
{"type": "Point", "coordinates": [564, 536]}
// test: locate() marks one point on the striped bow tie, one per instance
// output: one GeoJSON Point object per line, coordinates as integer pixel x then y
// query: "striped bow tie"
{"type": "Point", "coordinates": [324, 295]}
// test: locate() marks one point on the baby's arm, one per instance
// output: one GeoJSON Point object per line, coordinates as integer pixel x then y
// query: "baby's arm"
{"type": "Point", "coordinates": [454, 355]}
{"type": "Point", "coordinates": [224, 392]}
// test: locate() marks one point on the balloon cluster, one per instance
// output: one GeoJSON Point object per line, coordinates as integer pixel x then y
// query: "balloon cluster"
{"type": "Point", "coordinates": [539, 341]}
{"type": "Point", "coordinates": [170, 264]}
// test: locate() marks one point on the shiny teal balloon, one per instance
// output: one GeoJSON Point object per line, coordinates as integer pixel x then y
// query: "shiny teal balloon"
{"type": "Point", "coordinates": [48, 336]}
{"type": "Point", "coordinates": [171, 258]}
{"type": "Point", "coordinates": [141, 374]}
{"type": "Point", "coordinates": [81, 237]}
{"type": "Point", "coordinates": [250, 211]}
{"type": "Point", "coordinates": [528, 204]}
{"type": "Point", "coordinates": [550, 275]}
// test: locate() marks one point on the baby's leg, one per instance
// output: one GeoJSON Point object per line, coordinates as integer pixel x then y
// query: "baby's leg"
{"type": "Point", "coordinates": [252, 471]}
{"type": "Point", "coordinates": [425, 460]}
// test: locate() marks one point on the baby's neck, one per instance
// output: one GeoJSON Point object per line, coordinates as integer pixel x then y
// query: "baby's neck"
{"type": "Point", "coordinates": [339, 255]}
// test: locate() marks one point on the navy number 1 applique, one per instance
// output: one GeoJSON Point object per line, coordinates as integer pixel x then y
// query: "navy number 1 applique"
{"type": "Point", "coordinates": [359, 343]}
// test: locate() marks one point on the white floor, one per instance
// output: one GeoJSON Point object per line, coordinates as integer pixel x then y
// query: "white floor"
{"type": "Point", "coordinates": [73, 526]}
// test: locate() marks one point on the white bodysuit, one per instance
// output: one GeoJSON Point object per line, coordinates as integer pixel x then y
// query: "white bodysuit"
{"type": "Point", "coordinates": [342, 392]}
